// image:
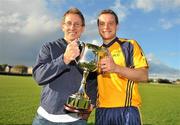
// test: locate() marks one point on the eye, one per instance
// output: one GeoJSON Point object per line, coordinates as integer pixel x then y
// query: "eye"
{"type": "Point", "coordinates": [111, 23]}
{"type": "Point", "coordinates": [68, 24]}
{"type": "Point", "coordinates": [77, 25]}
{"type": "Point", "coordinates": [101, 23]}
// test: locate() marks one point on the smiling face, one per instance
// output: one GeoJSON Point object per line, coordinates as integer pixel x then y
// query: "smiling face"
{"type": "Point", "coordinates": [72, 27]}
{"type": "Point", "coordinates": [107, 27]}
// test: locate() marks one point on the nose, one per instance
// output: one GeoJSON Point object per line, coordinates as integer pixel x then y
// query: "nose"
{"type": "Point", "coordinates": [106, 26]}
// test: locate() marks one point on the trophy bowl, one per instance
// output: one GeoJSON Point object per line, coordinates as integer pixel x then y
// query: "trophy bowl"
{"type": "Point", "coordinates": [88, 61]}
{"type": "Point", "coordinates": [89, 57]}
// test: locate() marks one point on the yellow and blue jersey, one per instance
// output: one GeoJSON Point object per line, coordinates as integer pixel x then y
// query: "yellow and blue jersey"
{"type": "Point", "coordinates": [117, 91]}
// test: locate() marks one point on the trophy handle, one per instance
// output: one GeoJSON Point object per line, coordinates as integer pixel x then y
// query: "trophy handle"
{"type": "Point", "coordinates": [81, 47]}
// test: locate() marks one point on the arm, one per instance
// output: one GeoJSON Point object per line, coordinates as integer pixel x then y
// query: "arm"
{"type": "Point", "coordinates": [47, 68]}
{"type": "Point", "coordinates": [138, 74]}
{"type": "Point", "coordinates": [53, 61]}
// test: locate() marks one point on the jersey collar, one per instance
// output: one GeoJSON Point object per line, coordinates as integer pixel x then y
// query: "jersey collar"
{"type": "Point", "coordinates": [110, 43]}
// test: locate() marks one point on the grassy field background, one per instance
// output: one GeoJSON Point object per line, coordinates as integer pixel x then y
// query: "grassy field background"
{"type": "Point", "coordinates": [19, 99]}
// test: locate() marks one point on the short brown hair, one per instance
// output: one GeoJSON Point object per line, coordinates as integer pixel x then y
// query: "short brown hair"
{"type": "Point", "coordinates": [108, 11]}
{"type": "Point", "coordinates": [74, 11]}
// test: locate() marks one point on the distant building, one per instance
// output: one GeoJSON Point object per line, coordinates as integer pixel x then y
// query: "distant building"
{"type": "Point", "coordinates": [19, 69]}
{"type": "Point", "coordinates": [170, 77]}
{"type": "Point", "coordinates": [8, 68]}
{"type": "Point", "coordinates": [177, 81]}
{"type": "Point", "coordinates": [29, 71]}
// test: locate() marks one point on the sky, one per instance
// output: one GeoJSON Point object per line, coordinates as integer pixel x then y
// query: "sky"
{"type": "Point", "coordinates": [25, 25]}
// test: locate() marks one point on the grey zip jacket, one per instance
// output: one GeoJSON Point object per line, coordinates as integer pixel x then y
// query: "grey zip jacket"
{"type": "Point", "coordinates": [57, 79]}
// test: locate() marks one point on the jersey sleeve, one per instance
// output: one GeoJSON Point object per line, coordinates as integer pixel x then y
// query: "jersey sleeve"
{"type": "Point", "coordinates": [139, 58]}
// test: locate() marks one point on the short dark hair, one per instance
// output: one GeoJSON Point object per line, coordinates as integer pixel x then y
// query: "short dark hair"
{"type": "Point", "coordinates": [108, 11]}
{"type": "Point", "coordinates": [74, 11]}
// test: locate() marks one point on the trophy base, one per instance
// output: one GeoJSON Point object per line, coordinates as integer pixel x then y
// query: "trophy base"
{"type": "Point", "coordinates": [79, 104]}
{"type": "Point", "coordinates": [78, 101]}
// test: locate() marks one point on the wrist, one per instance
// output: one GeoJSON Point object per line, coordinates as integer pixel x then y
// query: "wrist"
{"type": "Point", "coordinates": [117, 69]}
{"type": "Point", "coordinates": [66, 59]}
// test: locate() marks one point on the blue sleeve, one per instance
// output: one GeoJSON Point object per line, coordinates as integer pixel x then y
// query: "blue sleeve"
{"type": "Point", "coordinates": [47, 68]}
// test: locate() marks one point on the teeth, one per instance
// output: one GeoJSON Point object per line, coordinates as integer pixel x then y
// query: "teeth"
{"type": "Point", "coordinates": [72, 33]}
{"type": "Point", "coordinates": [106, 32]}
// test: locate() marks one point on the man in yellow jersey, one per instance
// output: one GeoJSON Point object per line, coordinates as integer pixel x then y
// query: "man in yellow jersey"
{"type": "Point", "coordinates": [118, 97]}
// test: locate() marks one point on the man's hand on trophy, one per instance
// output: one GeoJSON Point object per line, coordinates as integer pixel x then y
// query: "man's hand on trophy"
{"type": "Point", "coordinates": [107, 64]}
{"type": "Point", "coordinates": [72, 51]}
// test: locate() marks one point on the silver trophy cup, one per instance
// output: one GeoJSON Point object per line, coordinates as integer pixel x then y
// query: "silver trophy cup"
{"type": "Point", "coordinates": [88, 61]}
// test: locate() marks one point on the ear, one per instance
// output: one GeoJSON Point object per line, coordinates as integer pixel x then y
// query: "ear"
{"type": "Point", "coordinates": [83, 28]}
{"type": "Point", "coordinates": [61, 26]}
{"type": "Point", "coordinates": [118, 26]}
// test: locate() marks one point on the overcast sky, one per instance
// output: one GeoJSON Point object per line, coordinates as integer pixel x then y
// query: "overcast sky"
{"type": "Point", "coordinates": [25, 25]}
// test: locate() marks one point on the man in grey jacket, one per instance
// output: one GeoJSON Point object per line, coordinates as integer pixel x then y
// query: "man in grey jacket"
{"type": "Point", "coordinates": [56, 71]}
